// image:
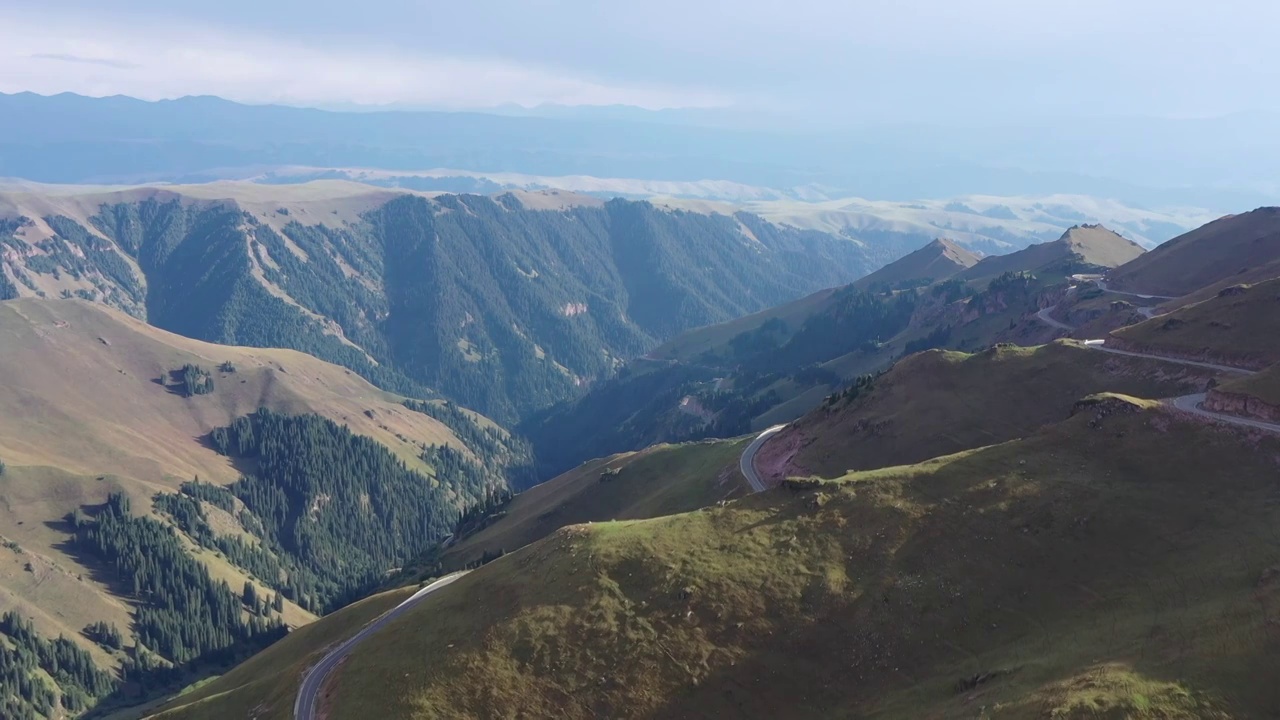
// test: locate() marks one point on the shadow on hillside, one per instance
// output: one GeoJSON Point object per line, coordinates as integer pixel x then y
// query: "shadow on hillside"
{"type": "Point", "coordinates": [164, 683]}
{"type": "Point", "coordinates": [98, 571]}
{"type": "Point", "coordinates": [243, 465]}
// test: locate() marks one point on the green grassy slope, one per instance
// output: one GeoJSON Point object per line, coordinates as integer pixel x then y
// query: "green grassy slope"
{"type": "Point", "coordinates": [1265, 386]}
{"type": "Point", "coordinates": [939, 402]}
{"type": "Point", "coordinates": [1120, 564]}
{"type": "Point", "coordinates": [82, 415]}
{"type": "Point", "coordinates": [264, 686]}
{"type": "Point", "coordinates": [1238, 326]}
{"type": "Point", "coordinates": [660, 480]}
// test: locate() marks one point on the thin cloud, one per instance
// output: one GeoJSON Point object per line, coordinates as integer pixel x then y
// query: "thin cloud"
{"type": "Point", "coordinates": [40, 55]}
{"type": "Point", "coordinates": [63, 57]}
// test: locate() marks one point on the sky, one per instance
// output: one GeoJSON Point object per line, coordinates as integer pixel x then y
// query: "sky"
{"type": "Point", "coordinates": [848, 61]}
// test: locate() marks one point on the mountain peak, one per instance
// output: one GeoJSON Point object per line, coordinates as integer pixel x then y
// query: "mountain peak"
{"type": "Point", "coordinates": [1099, 245]}
{"type": "Point", "coordinates": [938, 260]}
{"type": "Point", "coordinates": [1080, 246]}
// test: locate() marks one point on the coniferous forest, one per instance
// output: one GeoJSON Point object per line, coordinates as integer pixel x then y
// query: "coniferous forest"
{"type": "Point", "coordinates": [26, 694]}
{"type": "Point", "coordinates": [338, 510]}
{"type": "Point", "coordinates": [330, 513]}
{"type": "Point", "coordinates": [182, 613]}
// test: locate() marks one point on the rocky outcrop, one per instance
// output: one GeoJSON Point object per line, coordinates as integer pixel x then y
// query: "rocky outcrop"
{"type": "Point", "coordinates": [1241, 405]}
{"type": "Point", "coordinates": [1104, 405]}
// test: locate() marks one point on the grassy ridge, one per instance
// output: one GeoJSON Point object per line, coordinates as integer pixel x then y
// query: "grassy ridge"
{"type": "Point", "coordinates": [86, 413]}
{"type": "Point", "coordinates": [1245, 247]}
{"type": "Point", "coordinates": [1111, 566]}
{"type": "Point", "coordinates": [661, 480]}
{"type": "Point", "coordinates": [1240, 325]}
{"type": "Point", "coordinates": [943, 402]}
{"type": "Point", "coordinates": [264, 686]}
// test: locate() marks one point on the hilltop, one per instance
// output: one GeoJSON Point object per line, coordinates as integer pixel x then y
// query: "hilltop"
{"type": "Point", "coordinates": [1239, 325]}
{"type": "Point", "coordinates": [506, 304]}
{"type": "Point", "coordinates": [936, 261]}
{"type": "Point", "coordinates": [989, 578]}
{"type": "Point", "coordinates": [941, 402]}
{"type": "Point", "coordinates": [1234, 249]}
{"type": "Point", "coordinates": [89, 390]}
{"type": "Point", "coordinates": [111, 428]}
{"type": "Point", "coordinates": [1083, 248]}
{"type": "Point", "coordinates": [659, 480]}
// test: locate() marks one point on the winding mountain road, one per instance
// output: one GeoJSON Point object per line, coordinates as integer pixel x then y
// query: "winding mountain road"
{"type": "Point", "coordinates": [1191, 404]}
{"type": "Point", "coordinates": [1101, 345]}
{"type": "Point", "coordinates": [1043, 316]}
{"type": "Point", "coordinates": [307, 703]}
{"type": "Point", "coordinates": [1102, 285]}
{"type": "Point", "coordinates": [1186, 403]}
{"type": "Point", "coordinates": [748, 462]}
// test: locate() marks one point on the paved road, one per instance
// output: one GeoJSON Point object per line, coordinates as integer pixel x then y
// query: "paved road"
{"type": "Point", "coordinates": [1043, 316]}
{"type": "Point", "coordinates": [1146, 312]}
{"type": "Point", "coordinates": [748, 461]}
{"type": "Point", "coordinates": [1191, 404]}
{"type": "Point", "coordinates": [308, 700]}
{"type": "Point", "coordinates": [1101, 345]}
{"type": "Point", "coordinates": [1186, 403]}
{"type": "Point", "coordinates": [1102, 285]}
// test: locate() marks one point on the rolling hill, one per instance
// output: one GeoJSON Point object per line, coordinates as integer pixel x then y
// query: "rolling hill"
{"type": "Point", "coordinates": [942, 402]}
{"type": "Point", "coordinates": [1239, 325]}
{"type": "Point", "coordinates": [1081, 249]}
{"type": "Point", "coordinates": [1234, 249]}
{"type": "Point", "coordinates": [658, 480]}
{"type": "Point", "coordinates": [505, 304]}
{"type": "Point", "coordinates": [941, 538]}
{"type": "Point", "coordinates": [1076, 572]}
{"type": "Point", "coordinates": [774, 366]}
{"type": "Point", "coordinates": [121, 443]}
{"type": "Point", "coordinates": [936, 261]}
{"type": "Point", "coordinates": [939, 260]}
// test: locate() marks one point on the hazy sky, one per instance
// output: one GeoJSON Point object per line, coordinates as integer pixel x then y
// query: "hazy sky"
{"type": "Point", "coordinates": [856, 59]}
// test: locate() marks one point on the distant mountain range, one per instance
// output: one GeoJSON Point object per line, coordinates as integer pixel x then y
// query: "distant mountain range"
{"type": "Point", "coordinates": [505, 304]}
{"type": "Point", "coordinates": [70, 138]}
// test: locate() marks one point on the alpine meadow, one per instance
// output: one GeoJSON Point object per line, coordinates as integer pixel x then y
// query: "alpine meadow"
{"type": "Point", "coordinates": [576, 360]}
